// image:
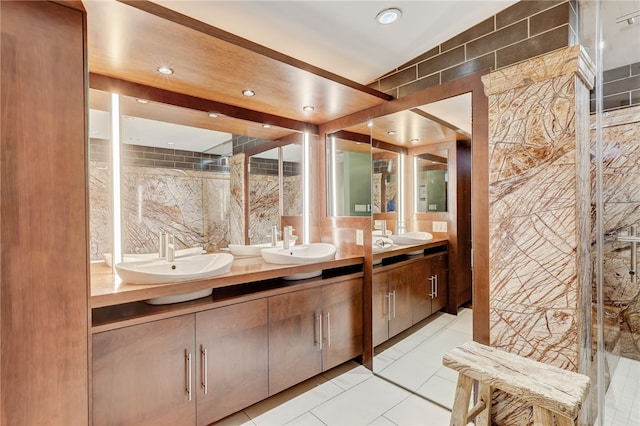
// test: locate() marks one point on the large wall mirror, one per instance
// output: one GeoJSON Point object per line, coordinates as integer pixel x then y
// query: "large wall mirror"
{"type": "Point", "coordinates": [414, 182]}
{"type": "Point", "coordinates": [349, 168]}
{"type": "Point", "coordinates": [177, 174]}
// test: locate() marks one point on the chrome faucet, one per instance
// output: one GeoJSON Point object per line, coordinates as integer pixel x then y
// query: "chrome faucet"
{"type": "Point", "coordinates": [400, 227]}
{"type": "Point", "coordinates": [162, 244]}
{"type": "Point", "coordinates": [384, 228]}
{"type": "Point", "coordinates": [171, 248]}
{"type": "Point", "coordinates": [286, 235]}
{"type": "Point", "coordinates": [274, 235]}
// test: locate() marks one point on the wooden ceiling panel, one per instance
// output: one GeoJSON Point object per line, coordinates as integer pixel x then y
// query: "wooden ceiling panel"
{"type": "Point", "coordinates": [129, 44]}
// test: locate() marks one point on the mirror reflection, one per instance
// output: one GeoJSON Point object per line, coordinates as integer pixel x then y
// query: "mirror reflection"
{"type": "Point", "coordinates": [431, 182]}
{"type": "Point", "coordinates": [420, 164]}
{"type": "Point", "coordinates": [174, 170]}
{"type": "Point", "coordinates": [349, 175]}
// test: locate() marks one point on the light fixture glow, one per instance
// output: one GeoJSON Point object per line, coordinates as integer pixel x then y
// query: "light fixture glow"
{"type": "Point", "coordinates": [162, 69]}
{"type": "Point", "coordinates": [266, 126]}
{"type": "Point", "coordinates": [388, 16]}
{"type": "Point", "coordinates": [213, 115]}
{"type": "Point", "coordinates": [308, 108]}
{"type": "Point", "coordinates": [115, 176]}
{"type": "Point", "coordinates": [248, 92]}
{"type": "Point", "coordinates": [306, 203]}
{"type": "Point", "coordinates": [334, 178]}
{"type": "Point", "coordinates": [142, 101]}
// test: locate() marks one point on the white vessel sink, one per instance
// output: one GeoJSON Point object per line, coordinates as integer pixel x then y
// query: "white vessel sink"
{"type": "Point", "coordinates": [296, 255]}
{"type": "Point", "coordinates": [254, 250]}
{"type": "Point", "coordinates": [412, 238]}
{"type": "Point", "coordinates": [160, 271]}
{"type": "Point", "coordinates": [134, 257]}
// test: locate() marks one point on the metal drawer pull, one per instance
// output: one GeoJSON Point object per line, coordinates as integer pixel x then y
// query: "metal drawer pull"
{"type": "Point", "coordinates": [205, 369]}
{"type": "Point", "coordinates": [394, 303]}
{"type": "Point", "coordinates": [187, 361]}
{"type": "Point", "coordinates": [319, 331]}
{"type": "Point", "coordinates": [328, 329]}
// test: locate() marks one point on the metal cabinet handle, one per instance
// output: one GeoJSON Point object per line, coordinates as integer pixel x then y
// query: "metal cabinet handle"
{"type": "Point", "coordinates": [328, 329]}
{"type": "Point", "coordinates": [187, 362]}
{"type": "Point", "coordinates": [393, 293]}
{"type": "Point", "coordinates": [319, 331]}
{"type": "Point", "coordinates": [436, 285]}
{"type": "Point", "coordinates": [431, 283]}
{"type": "Point", "coordinates": [205, 369]}
{"type": "Point", "coordinates": [388, 296]}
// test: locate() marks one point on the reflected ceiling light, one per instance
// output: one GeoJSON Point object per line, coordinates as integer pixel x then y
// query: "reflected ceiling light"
{"type": "Point", "coordinates": [162, 69]}
{"type": "Point", "coordinates": [370, 124]}
{"type": "Point", "coordinates": [171, 143]}
{"type": "Point", "coordinates": [248, 92]}
{"type": "Point", "coordinates": [266, 126]}
{"type": "Point", "coordinates": [213, 115]}
{"type": "Point", "coordinates": [391, 132]}
{"type": "Point", "coordinates": [388, 16]}
{"type": "Point", "coordinates": [308, 108]}
{"type": "Point", "coordinates": [142, 101]}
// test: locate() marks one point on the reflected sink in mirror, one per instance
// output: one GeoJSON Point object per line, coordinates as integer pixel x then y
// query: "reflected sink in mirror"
{"type": "Point", "coordinates": [135, 257]}
{"type": "Point", "coordinates": [297, 255]}
{"type": "Point", "coordinates": [254, 250]}
{"type": "Point", "coordinates": [409, 238]}
{"type": "Point", "coordinates": [381, 244]}
{"type": "Point", "coordinates": [190, 268]}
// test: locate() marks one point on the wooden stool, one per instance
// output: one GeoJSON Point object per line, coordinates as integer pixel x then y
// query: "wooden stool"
{"type": "Point", "coordinates": [551, 390]}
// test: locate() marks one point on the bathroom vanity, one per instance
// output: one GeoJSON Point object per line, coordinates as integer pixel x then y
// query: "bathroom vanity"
{"type": "Point", "coordinates": [408, 288]}
{"type": "Point", "coordinates": [196, 362]}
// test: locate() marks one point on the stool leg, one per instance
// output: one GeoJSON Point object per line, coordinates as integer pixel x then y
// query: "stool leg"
{"type": "Point", "coordinates": [484, 394]}
{"type": "Point", "coordinates": [542, 416]}
{"type": "Point", "coordinates": [461, 401]}
{"type": "Point", "coordinates": [564, 421]}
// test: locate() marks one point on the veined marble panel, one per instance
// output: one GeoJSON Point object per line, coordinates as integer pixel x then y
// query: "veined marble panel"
{"type": "Point", "coordinates": [376, 202]}
{"type": "Point", "coordinates": [292, 195]}
{"type": "Point", "coordinates": [264, 207]}
{"type": "Point", "coordinates": [217, 205]}
{"type": "Point", "coordinates": [236, 206]}
{"type": "Point", "coordinates": [621, 209]}
{"type": "Point", "coordinates": [100, 211]}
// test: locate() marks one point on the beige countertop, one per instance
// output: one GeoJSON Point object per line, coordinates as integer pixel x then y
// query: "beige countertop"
{"type": "Point", "coordinates": [398, 250]}
{"type": "Point", "coordinates": [108, 289]}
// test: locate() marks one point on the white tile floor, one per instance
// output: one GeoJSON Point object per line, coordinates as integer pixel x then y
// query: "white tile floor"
{"type": "Point", "coordinates": [622, 402]}
{"type": "Point", "coordinates": [351, 395]}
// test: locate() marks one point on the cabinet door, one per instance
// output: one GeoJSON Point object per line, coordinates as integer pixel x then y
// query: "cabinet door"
{"type": "Point", "coordinates": [400, 289]}
{"type": "Point", "coordinates": [421, 289]}
{"type": "Point", "coordinates": [232, 359]}
{"type": "Point", "coordinates": [440, 269]}
{"type": "Point", "coordinates": [380, 309]}
{"type": "Point", "coordinates": [342, 322]}
{"type": "Point", "coordinates": [294, 328]}
{"type": "Point", "coordinates": [142, 374]}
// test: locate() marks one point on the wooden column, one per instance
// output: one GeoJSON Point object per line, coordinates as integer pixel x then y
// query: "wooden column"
{"type": "Point", "coordinates": [44, 215]}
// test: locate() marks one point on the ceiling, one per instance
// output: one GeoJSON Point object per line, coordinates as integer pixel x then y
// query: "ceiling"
{"type": "Point", "coordinates": [292, 53]}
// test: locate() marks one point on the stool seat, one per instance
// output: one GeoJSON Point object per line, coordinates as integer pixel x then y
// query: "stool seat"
{"type": "Point", "coordinates": [548, 388]}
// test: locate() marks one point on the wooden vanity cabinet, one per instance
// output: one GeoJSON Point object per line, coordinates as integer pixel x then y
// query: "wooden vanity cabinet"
{"type": "Point", "coordinates": [392, 302]}
{"type": "Point", "coordinates": [429, 286]}
{"type": "Point", "coordinates": [313, 330]}
{"type": "Point", "coordinates": [190, 369]}
{"type": "Point", "coordinates": [406, 293]}
{"type": "Point", "coordinates": [142, 374]}
{"type": "Point", "coordinates": [232, 363]}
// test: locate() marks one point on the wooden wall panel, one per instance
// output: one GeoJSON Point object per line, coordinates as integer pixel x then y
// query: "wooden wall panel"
{"type": "Point", "coordinates": [43, 222]}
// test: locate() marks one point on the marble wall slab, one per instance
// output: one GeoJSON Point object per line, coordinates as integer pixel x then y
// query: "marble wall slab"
{"type": "Point", "coordinates": [539, 213]}
{"type": "Point", "coordinates": [236, 206]}
{"type": "Point", "coordinates": [191, 205]}
{"type": "Point", "coordinates": [621, 209]}
{"type": "Point", "coordinates": [264, 207]}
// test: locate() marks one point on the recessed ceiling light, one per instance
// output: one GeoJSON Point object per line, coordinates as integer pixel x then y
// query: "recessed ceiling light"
{"type": "Point", "coordinates": [162, 69]}
{"type": "Point", "coordinates": [142, 101]}
{"type": "Point", "coordinates": [308, 108]}
{"type": "Point", "coordinates": [415, 140]}
{"type": "Point", "coordinates": [370, 124]}
{"type": "Point", "coordinates": [213, 115]}
{"type": "Point", "coordinates": [391, 132]}
{"type": "Point", "coordinates": [266, 126]}
{"type": "Point", "coordinates": [171, 143]}
{"type": "Point", "coordinates": [248, 92]}
{"type": "Point", "coordinates": [388, 16]}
